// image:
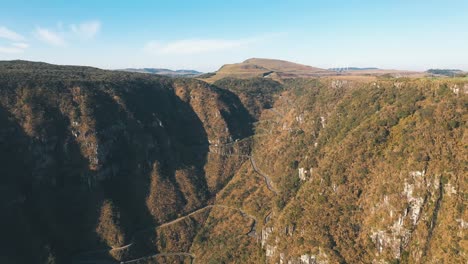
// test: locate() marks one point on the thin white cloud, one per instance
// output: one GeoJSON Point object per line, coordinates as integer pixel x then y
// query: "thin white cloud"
{"type": "Point", "coordinates": [49, 37]}
{"type": "Point", "coordinates": [20, 45]}
{"type": "Point", "coordinates": [8, 34]}
{"type": "Point", "coordinates": [196, 46]}
{"type": "Point", "coordinates": [87, 29]}
{"type": "Point", "coordinates": [16, 45]}
{"type": "Point", "coordinates": [14, 48]}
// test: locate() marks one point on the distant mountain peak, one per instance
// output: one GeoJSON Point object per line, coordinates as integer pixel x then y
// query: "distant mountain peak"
{"type": "Point", "coordinates": [267, 68]}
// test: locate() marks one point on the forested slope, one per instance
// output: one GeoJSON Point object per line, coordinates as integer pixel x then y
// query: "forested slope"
{"type": "Point", "coordinates": [103, 166]}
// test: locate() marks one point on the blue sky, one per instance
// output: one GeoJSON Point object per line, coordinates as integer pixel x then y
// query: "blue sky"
{"type": "Point", "coordinates": [204, 35]}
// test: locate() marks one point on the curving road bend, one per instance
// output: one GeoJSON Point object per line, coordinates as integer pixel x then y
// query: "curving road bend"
{"type": "Point", "coordinates": [265, 176]}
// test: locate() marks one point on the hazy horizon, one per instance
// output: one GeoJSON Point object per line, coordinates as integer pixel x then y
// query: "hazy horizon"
{"type": "Point", "coordinates": [204, 35]}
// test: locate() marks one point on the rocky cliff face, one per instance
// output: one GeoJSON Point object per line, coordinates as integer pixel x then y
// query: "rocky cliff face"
{"type": "Point", "coordinates": [112, 166]}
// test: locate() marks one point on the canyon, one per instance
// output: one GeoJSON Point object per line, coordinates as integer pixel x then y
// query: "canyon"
{"type": "Point", "coordinates": [258, 163]}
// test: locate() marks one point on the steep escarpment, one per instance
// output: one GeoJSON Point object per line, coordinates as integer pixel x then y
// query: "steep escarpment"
{"type": "Point", "coordinates": [91, 156]}
{"type": "Point", "coordinates": [106, 167]}
{"type": "Point", "coordinates": [364, 172]}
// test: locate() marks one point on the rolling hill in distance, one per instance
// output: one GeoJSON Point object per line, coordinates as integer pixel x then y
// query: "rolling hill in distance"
{"type": "Point", "coordinates": [263, 161]}
{"type": "Point", "coordinates": [267, 68]}
{"type": "Point", "coordinates": [280, 69]}
{"type": "Point", "coordinates": [165, 72]}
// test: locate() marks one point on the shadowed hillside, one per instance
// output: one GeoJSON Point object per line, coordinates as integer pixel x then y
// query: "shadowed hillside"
{"type": "Point", "coordinates": [91, 156]}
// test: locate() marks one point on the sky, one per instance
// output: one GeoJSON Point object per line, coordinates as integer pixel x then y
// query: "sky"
{"type": "Point", "coordinates": [203, 35]}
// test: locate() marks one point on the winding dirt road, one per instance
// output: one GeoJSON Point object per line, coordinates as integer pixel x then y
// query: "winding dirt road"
{"type": "Point", "coordinates": [191, 214]}
{"type": "Point", "coordinates": [265, 176]}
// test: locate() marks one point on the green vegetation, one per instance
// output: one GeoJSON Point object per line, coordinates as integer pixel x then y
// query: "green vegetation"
{"type": "Point", "coordinates": [445, 72]}
{"type": "Point", "coordinates": [99, 154]}
{"type": "Point", "coordinates": [363, 143]}
{"type": "Point", "coordinates": [362, 171]}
